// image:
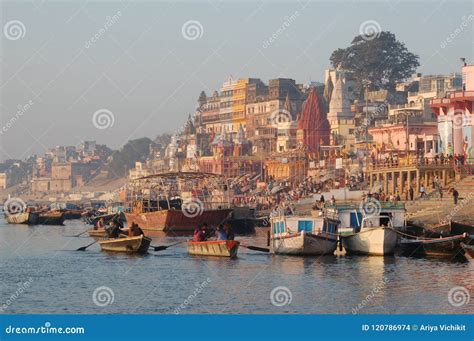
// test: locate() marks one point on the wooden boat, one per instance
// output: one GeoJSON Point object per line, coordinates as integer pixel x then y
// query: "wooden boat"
{"type": "Point", "coordinates": [469, 251]}
{"type": "Point", "coordinates": [302, 235]}
{"type": "Point", "coordinates": [92, 220]}
{"type": "Point", "coordinates": [219, 248]}
{"type": "Point", "coordinates": [70, 214]}
{"type": "Point", "coordinates": [29, 218]}
{"type": "Point", "coordinates": [433, 247]}
{"type": "Point", "coordinates": [138, 245]}
{"type": "Point", "coordinates": [99, 233]}
{"type": "Point", "coordinates": [177, 202]}
{"type": "Point", "coordinates": [51, 218]}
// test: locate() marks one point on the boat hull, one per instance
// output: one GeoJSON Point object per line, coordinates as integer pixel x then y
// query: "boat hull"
{"type": "Point", "coordinates": [378, 241]}
{"type": "Point", "coordinates": [175, 220]}
{"type": "Point", "coordinates": [303, 244]}
{"type": "Point", "coordinates": [439, 247]}
{"type": "Point", "coordinates": [138, 245]}
{"type": "Point", "coordinates": [51, 219]}
{"type": "Point", "coordinates": [23, 218]}
{"type": "Point", "coordinates": [218, 248]}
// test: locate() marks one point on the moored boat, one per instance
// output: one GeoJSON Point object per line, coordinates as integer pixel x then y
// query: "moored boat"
{"type": "Point", "coordinates": [369, 228]}
{"type": "Point", "coordinates": [469, 251]}
{"type": "Point", "coordinates": [433, 247]}
{"type": "Point", "coordinates": [99, 233]}
{"type": "Point", "coordinates": [177, 202]}
{"type": "Point", "coordinates": [51, 218]}
{"type": "Point", "coordinates": [219, 248]}
{"type": "Point", "coordinates": [138, 245]}
{"type": "Point", "coordinates": [29, 218]}
{"type": "Point", "coordinates": [302, 235]}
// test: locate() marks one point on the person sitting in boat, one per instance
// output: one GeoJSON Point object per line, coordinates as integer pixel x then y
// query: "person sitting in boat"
{"type": "Point", "coordinates": [229, 231]}
{"type": "Point", "coordinates": [200, 233]}
{"type": "Point", "coordinates": [100, 224]}
{"type": "Point", "coordinates": [135, 230]}
{"type": "Point", "coordinates": [221, 234]}
{"type": "Point", "coordinates": [114, 231]}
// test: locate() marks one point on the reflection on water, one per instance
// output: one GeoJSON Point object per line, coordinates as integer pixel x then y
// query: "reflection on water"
{"type": "Point", "coordinates": [63, 280]}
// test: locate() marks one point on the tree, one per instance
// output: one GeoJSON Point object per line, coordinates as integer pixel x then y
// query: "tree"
{"type": "Point", "coordinates": [380, 59]}
{"type": "Point", "coordinates": [124, 159]}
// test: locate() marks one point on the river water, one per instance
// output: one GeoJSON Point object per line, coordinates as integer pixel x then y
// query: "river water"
{"type": "Point", "coordinates": [41, 273]}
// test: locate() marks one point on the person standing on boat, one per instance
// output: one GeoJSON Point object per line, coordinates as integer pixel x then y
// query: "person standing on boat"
{"type": "Point", "coordinates": [455, 196]}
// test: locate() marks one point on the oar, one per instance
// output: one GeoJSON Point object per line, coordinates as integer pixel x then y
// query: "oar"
{"type": "Point", "coordinates": [256, 248]}
{"type": "Point", "coordinates": [164, 247]}
{"type": "Point", "coordinates": [85, 247]}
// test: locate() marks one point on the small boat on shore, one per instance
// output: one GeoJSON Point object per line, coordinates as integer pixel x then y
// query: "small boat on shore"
{"type": "Point", "coordinates": [29, 218]}
{"type": "Point", "coordinates": [302, 235]}
{"type": "Point", "coordinates": [138, 245]}
{"type": "Point", "coordinates": [218, 248]}
{"type": "Point", "coordinates": [469, 251]}
{"type": "Point", "coordinates": [51, 218]}
{"type": "Point", "coordinates": [433, 247]}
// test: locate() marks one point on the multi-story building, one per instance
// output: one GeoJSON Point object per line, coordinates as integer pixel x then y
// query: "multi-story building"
{"type": "Point", "coordinates": [454, 112]}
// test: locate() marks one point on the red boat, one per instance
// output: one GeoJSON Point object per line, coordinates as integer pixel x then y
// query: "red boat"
{"type": "Point", "coordinates": [177, 202]}
{"type": "Point", "coordinates": [175, 220]}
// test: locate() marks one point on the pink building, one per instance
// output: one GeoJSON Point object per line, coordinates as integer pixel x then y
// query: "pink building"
{"type": "Point", "coordinates": [454, 114]}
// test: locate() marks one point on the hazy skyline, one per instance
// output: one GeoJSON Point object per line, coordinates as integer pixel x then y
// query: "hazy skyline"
{"type": "Point", "coordinates": [135, 61]}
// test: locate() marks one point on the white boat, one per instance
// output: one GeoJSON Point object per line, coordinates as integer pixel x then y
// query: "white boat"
{"type": "Point", "coordinates": [302, 235]}
{"type": "Point", "coordinates": [372, 238]}
{"type": "Point", "coordinates": [364, 233]}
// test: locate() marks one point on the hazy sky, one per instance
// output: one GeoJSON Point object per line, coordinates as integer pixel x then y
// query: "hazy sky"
{"type": "Point", "coordinates": [145, 71]}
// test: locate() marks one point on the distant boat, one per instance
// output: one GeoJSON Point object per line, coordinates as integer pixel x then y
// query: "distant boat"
{"type": "Point", "coordinates": [29, 218]}
{"type": "Point", "coordinates": [469, 251]}
{"type": "Point", "coordinates": [51, 218]}
{"type": "Point", "coordinates": [130, 245]}
{"type": "Point", "coordinates": [373, 237]}
{"type": "Point", "coordinates": [302, 235]}
{"type": "Point", "coordinates": [433, 247]}
{"type": "Point", "coordinates": [219, 248]}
